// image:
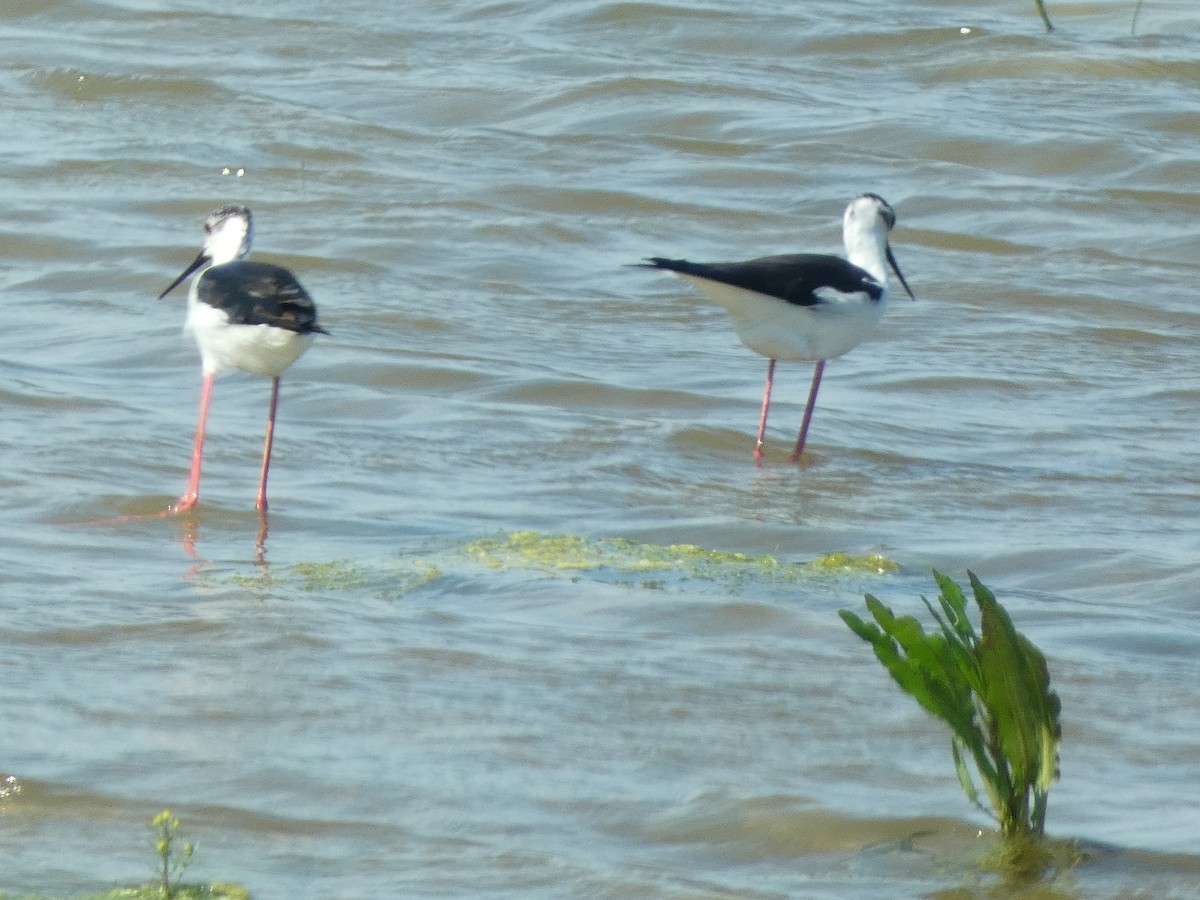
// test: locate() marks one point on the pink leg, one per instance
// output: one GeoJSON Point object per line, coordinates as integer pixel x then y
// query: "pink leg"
{"type": "Point", "coordinates": [808, 410]}
{"type": "Point", "coordinates": [261, 504]}
{"type": "Point", "coordinates": [762, 421]}
{"type": "Point", "coordinates": [192, 494]}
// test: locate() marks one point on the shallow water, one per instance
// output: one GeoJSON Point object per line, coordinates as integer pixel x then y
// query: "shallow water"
{"type": "Point", "coordinates": [461, 188]}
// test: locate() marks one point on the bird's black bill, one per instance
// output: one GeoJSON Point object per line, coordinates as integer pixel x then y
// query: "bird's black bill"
{"type": "Point", "coordinates": [891, 258]}
{"type": "Point", "coordinates": [197, 263]}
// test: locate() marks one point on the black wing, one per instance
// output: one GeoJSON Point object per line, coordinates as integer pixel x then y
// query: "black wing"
{"type": "Point", "coordinates": [794, 277]}
{"type": "Point", "coordinates": [254, 293]}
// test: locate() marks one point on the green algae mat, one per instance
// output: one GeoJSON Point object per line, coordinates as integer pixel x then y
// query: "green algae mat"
{"type": "Point", "coordinates": [569, 556]}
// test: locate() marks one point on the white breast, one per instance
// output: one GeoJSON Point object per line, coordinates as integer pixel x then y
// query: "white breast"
{"type": "Point", "coordinates": [780, 330]}
{"type": "Point", "coordinates": [257, 349]}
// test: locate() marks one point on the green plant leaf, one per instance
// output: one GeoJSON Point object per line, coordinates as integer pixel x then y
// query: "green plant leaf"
{"type": "Point", "coordinates": [867, 631]}
{"type": "Point", "coordinates": [954, 603]}
{"type": "Point", "coordinates": [922, 664]}
{"type": "Point", "coordinates": [1023, 709]}
{"type": "Point", "coordinates": [964, 774]}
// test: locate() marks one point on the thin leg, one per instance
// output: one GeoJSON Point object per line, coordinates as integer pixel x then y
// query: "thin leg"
{"type": "Point", "coordinates": [192, 494]}
{"type": "Point", "coordinates": [261, 504]}
{"type": "Point", "coordinates": [762, 421]}
{"type": "Point", "coordinates": [808, 410]}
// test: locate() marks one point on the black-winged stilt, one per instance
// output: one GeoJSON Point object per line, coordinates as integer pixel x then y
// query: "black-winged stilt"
{"type": "Point", "coordinates": [244, 315]}
{"type": "Point", "coordinates": [804, 307]}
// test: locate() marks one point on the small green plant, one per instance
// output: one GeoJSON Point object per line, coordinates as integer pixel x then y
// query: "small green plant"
{"type": "Point", "coordinates": [174, 854]}
{"type": "Point", "coordinates": [992, 689]}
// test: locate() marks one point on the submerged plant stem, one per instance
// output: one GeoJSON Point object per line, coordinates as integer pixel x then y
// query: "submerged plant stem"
{"type": "Point", "coordinates": [1041, 8]}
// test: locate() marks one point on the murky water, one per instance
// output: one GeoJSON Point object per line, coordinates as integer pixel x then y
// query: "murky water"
{"type": "Point", "coordinates": [370, 710]}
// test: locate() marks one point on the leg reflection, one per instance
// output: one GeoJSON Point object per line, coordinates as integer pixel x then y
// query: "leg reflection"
{"type": "Point", "coordinates": [260, 546]}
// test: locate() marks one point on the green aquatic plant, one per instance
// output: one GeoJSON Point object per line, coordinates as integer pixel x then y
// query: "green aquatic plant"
{"type": "Point", "coordinates": [174, 853]}
{"type": "Point", "coordinates": [993, 690]}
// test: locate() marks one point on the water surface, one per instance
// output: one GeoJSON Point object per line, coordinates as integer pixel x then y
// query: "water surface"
{"type": "Point", "coordinates": [461, 187]}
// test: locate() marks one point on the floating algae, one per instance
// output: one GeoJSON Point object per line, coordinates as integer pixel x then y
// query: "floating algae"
{"type": "Point", "coordinates": [532, 550]}
{"type": "Point", "coordinates": [845, 564]}
{"type": "Point", "coordinates": [625, 561]}
{"type": "Point", "coordinates": [573, 553]}
{"type": "Point", "coordinates": [341, 575]}
{"type": "Point", "coordinates": [338, 575]}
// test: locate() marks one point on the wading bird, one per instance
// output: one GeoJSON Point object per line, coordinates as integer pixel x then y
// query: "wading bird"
{"type": "Point", "coordinates": [244, 315]}
{"type": "Point", "coordinates": [804, 307]}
